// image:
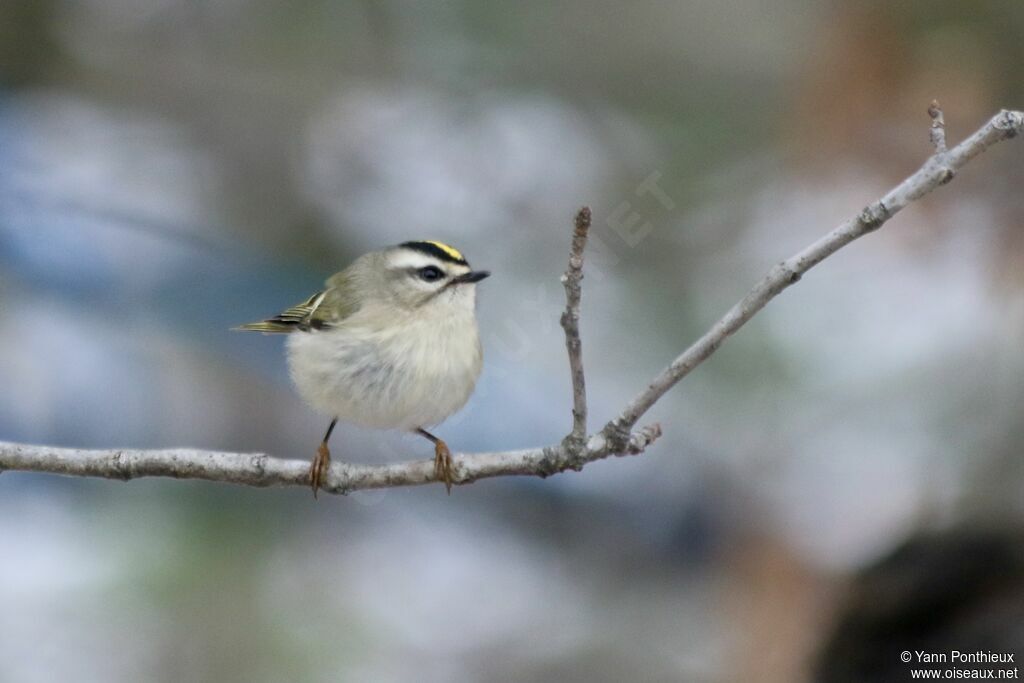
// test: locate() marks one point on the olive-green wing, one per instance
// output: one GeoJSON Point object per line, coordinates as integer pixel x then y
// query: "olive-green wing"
{"type": "Point", "coordinates": [319, 311]}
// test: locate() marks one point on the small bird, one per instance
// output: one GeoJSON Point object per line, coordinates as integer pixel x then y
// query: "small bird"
{"type": "Point", "coordinates": [390, 343]}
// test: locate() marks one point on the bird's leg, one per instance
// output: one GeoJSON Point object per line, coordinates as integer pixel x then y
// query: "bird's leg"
{"type": "Point", "coordinates": [321, 461]}
{"type": "Point", "coordinates": [442, 459]}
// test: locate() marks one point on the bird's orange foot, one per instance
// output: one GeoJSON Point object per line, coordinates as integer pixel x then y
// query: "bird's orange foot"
{"type": "Point", "coordinates": [443, 464]}
{"type": "Point", "coordinates": [318, 468]}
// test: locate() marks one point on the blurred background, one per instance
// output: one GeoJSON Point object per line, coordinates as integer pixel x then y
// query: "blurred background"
{"type": "Point", "coordinates": [841, 482]}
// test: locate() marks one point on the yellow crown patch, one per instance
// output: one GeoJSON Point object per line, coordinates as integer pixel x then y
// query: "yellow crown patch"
{"type": "Point", "coordinates": [448, 249]}
{"type": "Point", "coordinates": [438, 250]}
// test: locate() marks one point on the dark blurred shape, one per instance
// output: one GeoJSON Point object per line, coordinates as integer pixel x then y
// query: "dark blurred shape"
{"type": "Point", "coordinates": [961, 589]}
{"type": "Point", "coordinates": [26, 50]}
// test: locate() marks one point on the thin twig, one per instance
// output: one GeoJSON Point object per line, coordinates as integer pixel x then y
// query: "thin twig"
{"type": "Point", "coordinates": [938, 130]}
{"type": "Point", "coordinates": [937, 135]}
{"type": "Point", "coordinates": [618, 437]}
{"type": "Point", "coordinates": [935, 171]}
{"type": "Point", "coordinates": [571, 324]}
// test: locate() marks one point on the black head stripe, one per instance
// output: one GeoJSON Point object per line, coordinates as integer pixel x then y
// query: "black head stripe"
{"type": "Point", "coordinates": [438, 250]}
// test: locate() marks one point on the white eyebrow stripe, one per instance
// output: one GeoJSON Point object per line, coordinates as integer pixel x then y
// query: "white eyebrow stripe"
{"type": "Point", "coordinates": [413, 259]}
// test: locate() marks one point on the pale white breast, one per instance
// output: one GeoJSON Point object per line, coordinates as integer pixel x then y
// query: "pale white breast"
{"type": "Point", "coordinates": [378, 371]}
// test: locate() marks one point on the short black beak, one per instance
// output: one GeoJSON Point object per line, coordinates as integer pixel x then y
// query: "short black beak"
{"type": "Point", "coordinates": [472, 276]}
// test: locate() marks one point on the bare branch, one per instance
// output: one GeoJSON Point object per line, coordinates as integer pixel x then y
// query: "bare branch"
{"type": "Point", "coordinates": [571, 324]}
{"type": "Point", "coordinates": [258, 469]}
{"type": "Point", "coordinates": [935, 171]}
{"type": "Point", "coordinates": [618, 437]}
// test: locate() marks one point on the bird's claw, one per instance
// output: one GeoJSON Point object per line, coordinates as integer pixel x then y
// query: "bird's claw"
{"type": "Point", "coordinates": [443, 465]}
{"type": "Point", "coordinates": [318, 468]}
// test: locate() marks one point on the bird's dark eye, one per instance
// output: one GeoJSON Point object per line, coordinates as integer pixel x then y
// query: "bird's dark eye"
{"type": "Point", "coordinates": [430, 273]}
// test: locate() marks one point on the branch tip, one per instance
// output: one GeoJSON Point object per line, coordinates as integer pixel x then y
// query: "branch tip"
{"type": "Point", "coordinates": [582, 222]}
{"type": "Point", "coordinates": [1011, 122]}
{"type": "Point", "coordinates": [937, 134]}
{"type": "Point", "coordinates": [643, 437]}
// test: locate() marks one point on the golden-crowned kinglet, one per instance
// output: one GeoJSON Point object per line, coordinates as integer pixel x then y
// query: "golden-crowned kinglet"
{"type": "Point", "coordinates": [391, 343]}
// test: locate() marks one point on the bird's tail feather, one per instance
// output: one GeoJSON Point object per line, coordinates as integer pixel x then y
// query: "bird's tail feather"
{"type": "Point", "coordinates": [267, 327]}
